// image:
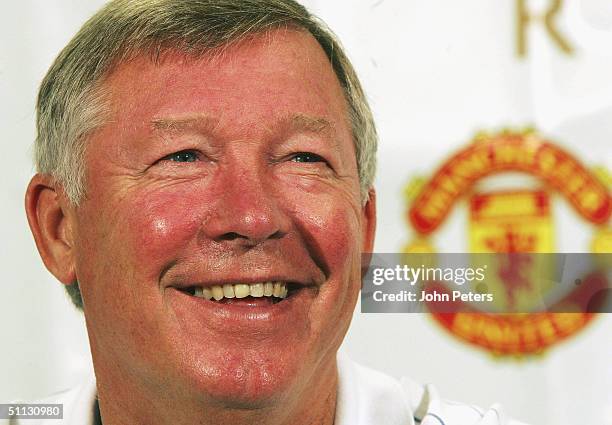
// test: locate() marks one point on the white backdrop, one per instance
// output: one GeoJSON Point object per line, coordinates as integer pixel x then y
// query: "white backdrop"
{"type": "Point", "coordinates": [436, 71]}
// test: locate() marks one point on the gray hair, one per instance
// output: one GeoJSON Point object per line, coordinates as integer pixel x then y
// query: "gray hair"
{"type": "Point", "coordinates": [71, 98]}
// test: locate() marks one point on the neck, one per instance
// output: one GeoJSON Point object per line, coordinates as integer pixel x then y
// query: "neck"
{"type": "Point", "coordinates": [312, 403]}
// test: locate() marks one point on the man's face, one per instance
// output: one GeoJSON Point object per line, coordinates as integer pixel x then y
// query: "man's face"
{"type": "Point", "coordinates": [233, 169]}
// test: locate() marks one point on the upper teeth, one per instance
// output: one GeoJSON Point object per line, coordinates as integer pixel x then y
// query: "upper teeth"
{"type": "Point", "coordinates": [242, 290]}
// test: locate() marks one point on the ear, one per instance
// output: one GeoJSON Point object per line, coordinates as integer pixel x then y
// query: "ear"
{"type": "Point", "coordinates": [368, 229]}
{"type": "Point", "coordinates": [51, 224]}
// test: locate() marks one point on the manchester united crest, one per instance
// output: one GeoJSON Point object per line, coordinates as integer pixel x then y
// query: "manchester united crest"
{"type": "Point", "coordinates": [508, 185]}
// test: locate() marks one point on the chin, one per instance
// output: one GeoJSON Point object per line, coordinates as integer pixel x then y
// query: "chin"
{"type": "Point", "coordinates": [243, 381]}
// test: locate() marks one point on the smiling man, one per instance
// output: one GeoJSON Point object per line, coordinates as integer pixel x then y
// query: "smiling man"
{"type": "Point", "coordinates": [204, 191]}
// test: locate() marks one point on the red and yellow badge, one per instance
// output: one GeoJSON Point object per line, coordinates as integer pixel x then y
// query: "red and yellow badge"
{"type": "Point", "coordinates": [513, 215]}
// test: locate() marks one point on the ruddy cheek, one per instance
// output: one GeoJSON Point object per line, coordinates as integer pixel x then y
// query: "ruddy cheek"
{"type": "Point", "coordinates": [332, 228]}
{"type": "Point", "coordinates": [163, 225]}
{"type": "Point", "coordinates": [342, 237]}
{"type": "Point", "coordinates": [160, 227]}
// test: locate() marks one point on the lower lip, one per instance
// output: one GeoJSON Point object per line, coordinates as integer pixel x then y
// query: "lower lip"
{"type": "Point", "coordinates": [252, 313]}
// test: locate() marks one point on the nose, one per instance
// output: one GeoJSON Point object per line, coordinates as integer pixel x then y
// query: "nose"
{"type": "Point", "coordinates": [246, 211]}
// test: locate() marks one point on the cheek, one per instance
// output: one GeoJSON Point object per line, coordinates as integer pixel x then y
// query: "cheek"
{"type": "Point", "coordinates": [332, 225]}
{"type": "Point", "coordinates": [144, 228]}
{"type": "Point", "coordinates": [161, 224]}
{"type": "Point", "coordinates": [129, 241]}
{"type": "Point", "coordinates": [128, 245]}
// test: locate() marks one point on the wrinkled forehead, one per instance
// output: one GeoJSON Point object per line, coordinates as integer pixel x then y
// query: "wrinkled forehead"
{"type": "Point", "coordinates": [282, 74]}
{"type": "Point", "coordinates": [283, 48]}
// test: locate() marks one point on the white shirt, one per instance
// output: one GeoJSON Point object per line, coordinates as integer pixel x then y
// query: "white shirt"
{"type": "Point", "coordinates": [368, 397]}
{"type": "Point", "coordinates": [365, 397]}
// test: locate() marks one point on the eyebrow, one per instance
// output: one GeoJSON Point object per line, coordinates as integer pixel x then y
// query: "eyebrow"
{"type": "Point", "coordinates": [201, 122]}
{"type": "Point", "coordinates": [299, 122]}
{"type": "Point", "coordinates": [290, 124]}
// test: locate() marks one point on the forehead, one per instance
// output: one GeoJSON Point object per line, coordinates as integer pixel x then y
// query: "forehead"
{"type": "Point", "coordinates": [262, 78]}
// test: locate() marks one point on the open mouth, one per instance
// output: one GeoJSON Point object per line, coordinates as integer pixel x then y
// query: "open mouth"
{"type": "Point", "coordinates": [271, 292]}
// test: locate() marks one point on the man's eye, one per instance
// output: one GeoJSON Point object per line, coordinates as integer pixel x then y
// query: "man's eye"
{"type": "Point", "coordinates": [182, 156]}
{"type": "Point", "coordinates": [306, 157]}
